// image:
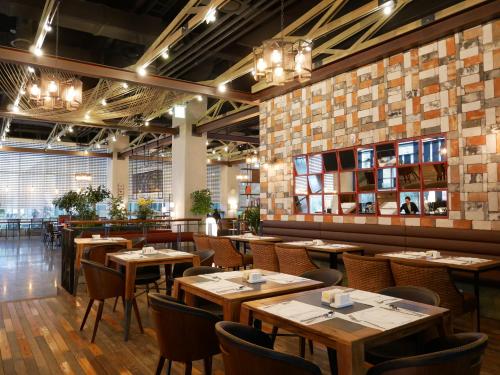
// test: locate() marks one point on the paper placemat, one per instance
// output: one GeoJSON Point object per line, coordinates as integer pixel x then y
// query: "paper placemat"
{"type": "Point", "coordinates": [300, 312]}
{"type": "Point", "coordinates": [222, 287]}
{"type": "Point", "coordinates": [283, 278]}
{"type": "Point", "coordinates": [382, 318]}
{"type": "Point", "coordinates": [223, 275]}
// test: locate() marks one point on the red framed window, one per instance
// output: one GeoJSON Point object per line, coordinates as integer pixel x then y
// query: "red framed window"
{"type": "Point", "coordinates": [406, 177]}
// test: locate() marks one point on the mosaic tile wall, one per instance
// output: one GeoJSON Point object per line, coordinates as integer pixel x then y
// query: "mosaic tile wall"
{"type": "Point", "coordinates": [450, 86]}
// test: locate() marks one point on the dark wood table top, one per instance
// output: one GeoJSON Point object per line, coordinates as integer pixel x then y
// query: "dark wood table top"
{"type": "Point", "coordinates": [326, 247]}
{"type": "Point", "coordinates": [160, 257]}
{"type": "Point", "coordinates": [447, 259]}
{"type": "Point", "coordinates": [243, 238]}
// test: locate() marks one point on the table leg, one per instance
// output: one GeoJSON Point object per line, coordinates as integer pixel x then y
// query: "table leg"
{"type": "Point", "coordinates": [476, 295]}
{"type": "Point", "coordinates": [77, 267]}
{"type": "Point", "coordinates": [130, 270]}
{"type": "Point", "coordinates": [246, 316]}
{"type": "Point", "coordinates": [350, 358]}
{"type": "Point", "coordinates": [333, 260]}
{"type": "Point", "coordinates": [231, 311]}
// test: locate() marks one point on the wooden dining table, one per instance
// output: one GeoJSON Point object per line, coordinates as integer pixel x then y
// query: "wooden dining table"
{"type": "Point", "coordinates": [452, 261]}
{"type": "Point", "coordinates": [347, 337]}
{"type": "Point", "coordinates": [242, 239]}
{"type": "Point", "coordinates": [82, 243]}
{"type": "Point", "coordinates": [132, 260]}
{"type": "Point", "coordinates": [333, 249]}
{"type": "Point", "coordinates": [188, 289]}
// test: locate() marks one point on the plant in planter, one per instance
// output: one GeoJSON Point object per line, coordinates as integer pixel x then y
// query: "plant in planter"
{"type": "Point", "coordinates": [83, 204]}
{"type": "Point", "coordinates": [68, 202]}
{"type": "Point", "coordinates": [144, 208]}
{"type": "Point", "coordinates": [117, 209]}
{"type": "Point", "coordinates": [201, 202]}
{"type": "Point", "coordinates": [252, 216]}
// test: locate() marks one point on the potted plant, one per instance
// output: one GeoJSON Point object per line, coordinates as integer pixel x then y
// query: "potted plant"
{"type": "Point", "coordinates": [201, 202]}
{"type": "Point", "coordinates": [144, 208]}
{"type": "Point", "coordinates": [68, 202]}
{"type": "Point", "coordinates": [117, 209]}
{"type": "Point", "coordinates": [252, 217]}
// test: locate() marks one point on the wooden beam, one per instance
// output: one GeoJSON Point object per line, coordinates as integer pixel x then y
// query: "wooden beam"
{"type": "Point", "coordinates": [425, 34]}
{"type": "Point", "coordinates": [16, 56]}
{"type": "Point", "coordinates": [233, 138]}
{"type": "Point", "coordinates": [152, 128]}
{"type": "Point", "coordinates": [167, 141]}
{"type": "Point", "coordinates": [230, 120]}
{"type": "Point", "coordinates": [4, 148]}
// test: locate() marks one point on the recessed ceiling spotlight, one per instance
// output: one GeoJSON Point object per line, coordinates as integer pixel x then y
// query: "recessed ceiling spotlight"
{"type": "Point", "coordinates": [146, 123]}
{"type": "Point", "coordinates": [211, 15]}
{"type": "Point", "coordinates": [142, 71]}
{"type": "Point", "coordinates": [104, 103]}
{"type": "Point", "coordinates": [165, 54]}
{"type": "Point", "coordinates": [70, 129]}
{"type": "Point", "coordinates": [58, 139]}
{"type": "Point", "coordinates": [199, 98]}
{"type": "Point", "coordinates": [125, 85]}
{"type": "Point", "coordinates": [388, 7]}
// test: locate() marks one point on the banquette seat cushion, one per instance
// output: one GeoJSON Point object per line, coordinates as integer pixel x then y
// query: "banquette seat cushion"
{"type": "Point", "coordinates": [388, 238]}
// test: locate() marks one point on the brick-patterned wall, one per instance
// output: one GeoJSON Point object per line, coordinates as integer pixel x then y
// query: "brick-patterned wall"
{"type": "Point", "coordinates": [450, 86]}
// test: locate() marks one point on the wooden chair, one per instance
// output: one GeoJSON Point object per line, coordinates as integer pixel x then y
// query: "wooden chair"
{"type": "Point", "coordinates": [248, 351]}
{"type": "Point", "coordinates": [185, 334]}
{"type": "Point", "coordinates": [264, 256]}
{"type": "Point", "coordinates": [460, 354]}
{"type": "Point", "coordinates": [98, 253]}
{"type": "Point", "coordinates": [294, 260]}
{"type": "Point", "coordinates": [367, 273]}
{"type": "Point", "coordinates": [226, 255]}
{"type": "Point", "coordinates": [201, 242]}
{"type": "Point", "coordinates": [103, 283]}
{"type": "Point", "coordinates": [438, 279]}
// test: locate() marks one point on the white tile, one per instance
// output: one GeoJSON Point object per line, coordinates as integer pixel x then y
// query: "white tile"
{"type": "Point", "coordinates": [489, 89]}
{"type": "Point", "coordinates": [431, 123]}
{"type": "Point", "coordinates": [469, 52]}
{"type": "Point", "coordinates": [481, 225]}
{"type": "Point", "coordinates": [488, 61]}
{"type": "Point", "coordinates": [427, 49]}
{"type": "Point", "coordinates": [492, 172]}
{"type": "Point", "coordinates": [444, 223]}
{"type": "Point", "coordinates": [474, 106]}
{"type": "Point", "coordinates": [487, 33]}
{"type": "Point", "coordinates": [428, 73]}
{"type": "Point", "coordinates": [491, 143]}
{"type": "Point", "coordinates": [472, 78]}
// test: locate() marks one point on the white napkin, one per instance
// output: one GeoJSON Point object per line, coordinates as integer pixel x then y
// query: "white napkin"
{"type": "Point", "coordinates": [283, 278]}
{"type": "Point", "coordinates": [222, 287]}
{"type": "Point", "coordinates": [223, 275]}
{"type": "Point", "coordinates": [299, 312]}
{"type": "Point", "coordinates": [382, 318]}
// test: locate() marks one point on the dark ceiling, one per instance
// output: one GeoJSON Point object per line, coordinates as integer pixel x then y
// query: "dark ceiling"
{"type": "Point", "coordinates": [117, 32]}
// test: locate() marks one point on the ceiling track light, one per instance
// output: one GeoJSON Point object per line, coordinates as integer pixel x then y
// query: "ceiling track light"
{"type": "Point", "coordinates": [211, 16]}
{"type": "Point", "coordinates": [222, 87]}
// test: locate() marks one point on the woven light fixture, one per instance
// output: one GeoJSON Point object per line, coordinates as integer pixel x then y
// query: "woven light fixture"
{"type": "Point", "coordinates": [279, 60]}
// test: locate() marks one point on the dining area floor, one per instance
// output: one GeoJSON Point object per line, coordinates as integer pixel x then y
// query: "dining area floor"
{"type": "Point", "coordinates": [40, 332]}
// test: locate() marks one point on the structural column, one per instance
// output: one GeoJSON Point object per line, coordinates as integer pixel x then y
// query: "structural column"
{"type": "Point", "coordinates": [229, 187]}
{"type": "Point", "coordinates": [118, 181]}
{"type": "Point", "coordinates": [189, 158]}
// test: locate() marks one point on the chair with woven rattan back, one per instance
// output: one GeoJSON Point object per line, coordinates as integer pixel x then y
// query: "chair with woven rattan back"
{"type": "Point", "coordinates": [98, 253]}
{"type": "Point", "coordinates": [367, 273]}
{"type": "Point", "coordinates": [201, 241]}
{"type": "Point", "coordinates": [264, 256]}
{"type": "Point", "coordinates": [294, 260]}
{"type": "Point", "coordinates": [460, 354]}
{"type": "Point", "coordinates": [438, 279]}
{"type": "Point", "coordinates": [226, 255]}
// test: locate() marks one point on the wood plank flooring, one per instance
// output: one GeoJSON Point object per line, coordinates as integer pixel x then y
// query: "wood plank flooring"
{"type": "Point", "coordinates": [41, 336]}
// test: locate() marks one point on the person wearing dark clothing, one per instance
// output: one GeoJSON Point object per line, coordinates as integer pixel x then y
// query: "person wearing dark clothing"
{"type": "Point", "coordinates": [409, 207]}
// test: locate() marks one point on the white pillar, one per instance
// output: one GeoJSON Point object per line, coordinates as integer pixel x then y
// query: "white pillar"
{"type": "Point", "coordinates": [118, 181]}
{"type": "Point", "coordinates": [229, 193]}
{"type": "Point", "coordinates": [189, 159]}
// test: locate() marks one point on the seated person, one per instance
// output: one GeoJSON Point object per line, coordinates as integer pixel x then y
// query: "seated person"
{"type": "Point", "coordinates": [409, 207]}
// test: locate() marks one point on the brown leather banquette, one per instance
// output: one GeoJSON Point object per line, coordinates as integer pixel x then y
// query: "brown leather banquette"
{"type": "Point", "coordinates": [387, 238]}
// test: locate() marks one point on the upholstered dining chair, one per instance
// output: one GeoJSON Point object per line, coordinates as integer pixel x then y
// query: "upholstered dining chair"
{"type": "Point", "coordinates": [461, 354]}
{"type": "Point", "coordinates": [103, 283]}
{"type": "Point", "coordinates": [98, 253]}
{"type": "Point", "coordinates": [264, 256]}
{"type": "Point", "coordinates": [248, 351]}
{"type": "Point", "coordinates": [201, 241]}
{"type": "Point", "coordinates": [226, 255]}
{"type": "Point", "coordinates": [185, 334]}
{"type": "Point", "coordinates": [367, 273]}
{"type": "Point", "coordinates": [206, 259]}
{"type": "Point", "coordinates": [294, 260]}
{"type": "Point", "coordinates": [438, 279]}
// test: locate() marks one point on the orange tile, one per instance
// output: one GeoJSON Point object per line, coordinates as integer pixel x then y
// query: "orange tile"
{"type": "Point", "coordinates": [498, 145]}
{"type": "Point", "coordinates": [497, 87]}
{"type": "Point", "coordinates": [450, 46]}
{"type": "Point", "coordinates": [432, 89]}
{"type": "Point", "coordinates": [452, 122]}
{"type": "Point", "coordinates": [455, 202]}
{"type": "Point", "coordinates": [396, 59]}
{"type": "Point", "coordinates": [462, 224]}
{"type": "Point", "coordinates": [473, 60]}
{"type": "Point", "coordinates": [454, 147]}
{"type": "Point", "coordinates": [474, 115]}
{"type": "Point", "coordinates": [416, 105]}
{"type": "Point", "coordinates": [477, 140]}
{"type": "Point", "coordinates": [477, 197]}
{"type": "Point", "coordinates": [476, 168]}
{"type": "Point", "coordinates": [432, 63]}
{"type": "Point", "coordinates": [474, 87]}
{"type": "Point", "coordinates": [452, 98]}
{"type": "Point", "coordinates": [397, 221]}
{"type": "Point", "coordinates": [454, 174]}
{"type": "Point", "coordinates": [427, 222]}
{"type": "Point", "coordinates": [432, 114]}
{"type": "Point", "coordinates": [396, 82]}
{"type": "Point", "coordinates": [365, 84]}
{"type": "Point", "coordinates": [398, 129]}
{"type": "Point", "coordinates": [473, 33]}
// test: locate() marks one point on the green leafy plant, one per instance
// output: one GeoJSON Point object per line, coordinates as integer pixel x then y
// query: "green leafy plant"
{"type": "Point", "coordinates": [68, 202]}
{"type": "Point", "coordinates": [144, 208]}
{"type": "Point", "coordinates": [82, 204]}
{"type": "Point", "coordinates": [201, 202]}
{"type": "Point", "coordinates": [252, 216]}
{"type": "Point", "coordinates": [117, 209]}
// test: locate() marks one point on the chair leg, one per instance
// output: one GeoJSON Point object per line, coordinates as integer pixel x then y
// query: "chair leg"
{"type": "Point", "coordinates": [302, 347]}
{"type": "Point", "coordinates": [311, 347]}
{"type": "Point", "coordinates": [89, 307]}
{"type": "Point", "coordinates": [97, 319]}
{"type": "Point", "coordinates": [136, 311]}
{"type": "Point", "coordinates": [157, 287]}
{"type": "Point", "coordinates": [189, 368]}
{"type": "Point", "coordinates": [207, 364]}
{"type": "Point", "coordinates": [169, 366]}
{"type": "Point", "coordinates": [161, 362]}
{"type": "Point", "coordinates": [332, 358]}
{"type": "Point", "coordinates": [116, 302]}
{"type": "Point", "coordinates": [274, 334]}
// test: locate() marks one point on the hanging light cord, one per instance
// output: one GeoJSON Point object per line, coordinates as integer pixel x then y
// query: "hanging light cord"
{"type": "Point", "coordinates": [282, 18]}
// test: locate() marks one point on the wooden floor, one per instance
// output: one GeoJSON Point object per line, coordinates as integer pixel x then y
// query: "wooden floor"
{"type": "Point", "coordinates": [41, 336]}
